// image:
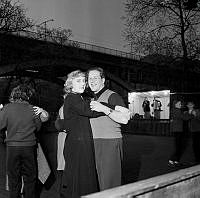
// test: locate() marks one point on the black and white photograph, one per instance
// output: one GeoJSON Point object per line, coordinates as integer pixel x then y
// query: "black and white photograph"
{"type": "Point", "coordinates": [99, 98]}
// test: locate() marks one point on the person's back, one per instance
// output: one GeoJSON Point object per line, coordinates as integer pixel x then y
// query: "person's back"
{"type": "Point", "coordinates": [21, 123]}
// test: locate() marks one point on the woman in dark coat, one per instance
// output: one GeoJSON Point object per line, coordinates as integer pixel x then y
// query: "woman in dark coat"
{"type": "Point", "coordinates": [79, 176]}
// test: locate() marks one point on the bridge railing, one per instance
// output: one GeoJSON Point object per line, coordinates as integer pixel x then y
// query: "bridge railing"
{"type": "Point", "coordinates": [182, 183]}
{"type": "Point", "coordinates": [82, 45]}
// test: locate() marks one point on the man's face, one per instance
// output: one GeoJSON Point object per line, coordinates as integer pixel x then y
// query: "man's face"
{"type": "Point", "coordinates": [190, 105]}
{"type": "Point", "coordinates": [95, 82]}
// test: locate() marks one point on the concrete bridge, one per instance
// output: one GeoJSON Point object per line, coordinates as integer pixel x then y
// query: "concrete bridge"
{"type": "Point", "coordinates": [30, 54]}
{"type": "Point", "coordinates": [27, 54]}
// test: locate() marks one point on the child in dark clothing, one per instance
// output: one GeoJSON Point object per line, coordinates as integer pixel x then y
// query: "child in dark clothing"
{"type": "Point", "coordinates": [21, 122]}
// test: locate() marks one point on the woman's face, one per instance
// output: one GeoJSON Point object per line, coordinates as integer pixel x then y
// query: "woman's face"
{"type": "Point", "coordinates": [78, 84]}
{"type": "Point", "coordinates": [178, 105]}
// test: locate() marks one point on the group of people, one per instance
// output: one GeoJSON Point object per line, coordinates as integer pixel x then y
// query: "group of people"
{"type": "Point", "coordinates": [92, 148]}
{"type": "Point", "coordinates": [156, 105]}
{"type": "Point", "coordinates": [185, 123]}
{"type": "Point", "coordinates": [90, 140]}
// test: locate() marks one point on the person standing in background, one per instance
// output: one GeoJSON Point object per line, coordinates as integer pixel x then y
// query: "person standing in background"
{"type": "Point", "coordinates": [146, 108]}
{"type": "Point", "coordinates": [177, 126]}
{"type": "Point", "coordinates": [194, 129]}
{"type": "Point", "coordinates": [156, 108]}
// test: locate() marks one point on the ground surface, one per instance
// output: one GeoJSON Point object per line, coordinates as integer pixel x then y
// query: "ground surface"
{"type": "Point", "coordinates": [144, 157]}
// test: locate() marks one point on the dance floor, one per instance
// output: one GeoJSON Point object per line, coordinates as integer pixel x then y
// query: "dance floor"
{"type": "Point", "coordinates": [144, 157]}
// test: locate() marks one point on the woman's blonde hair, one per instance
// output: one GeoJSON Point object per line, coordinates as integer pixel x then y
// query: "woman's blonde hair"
{"type": "Point", "coordinates": [68, 83]}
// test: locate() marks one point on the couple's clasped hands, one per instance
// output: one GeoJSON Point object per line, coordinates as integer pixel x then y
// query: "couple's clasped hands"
{"type": "Point", "coordinates": [122, 114]}
{"type": "Point", "coordinates": [97, 106]}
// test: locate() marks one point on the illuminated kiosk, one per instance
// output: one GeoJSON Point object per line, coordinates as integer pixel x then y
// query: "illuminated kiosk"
{"type": "Point", "coordinates": [158, 104]}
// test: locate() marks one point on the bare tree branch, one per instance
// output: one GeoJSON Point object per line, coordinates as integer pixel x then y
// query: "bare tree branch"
{"type": "Point", "coordinates": [13, 17]}
{"type": "Point", "coordinates": [150, 21]}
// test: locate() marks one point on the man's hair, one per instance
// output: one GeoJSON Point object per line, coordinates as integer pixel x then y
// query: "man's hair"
{"type": "Point", "coordinates": [99, 69]}
{"type": "Point", "coordinates": [191, 103]}
{"type": "Point", "coordinates": [175, 102]}
{"type": "Point", "coordinates": [68, 83]}
{"type": "Point", "coordinates": [22, 92]}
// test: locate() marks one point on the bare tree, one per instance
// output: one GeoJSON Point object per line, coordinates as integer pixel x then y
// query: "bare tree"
{"type": "Point", "coordinates": [168, 27]}
{"type": "Point", "coordinates": [58, 35]}
{"type": "Point", "coordinates": [13, 17]}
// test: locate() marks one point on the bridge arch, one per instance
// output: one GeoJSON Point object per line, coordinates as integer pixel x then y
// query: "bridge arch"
{"type": "Point", "coordinates": [55, 71]}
